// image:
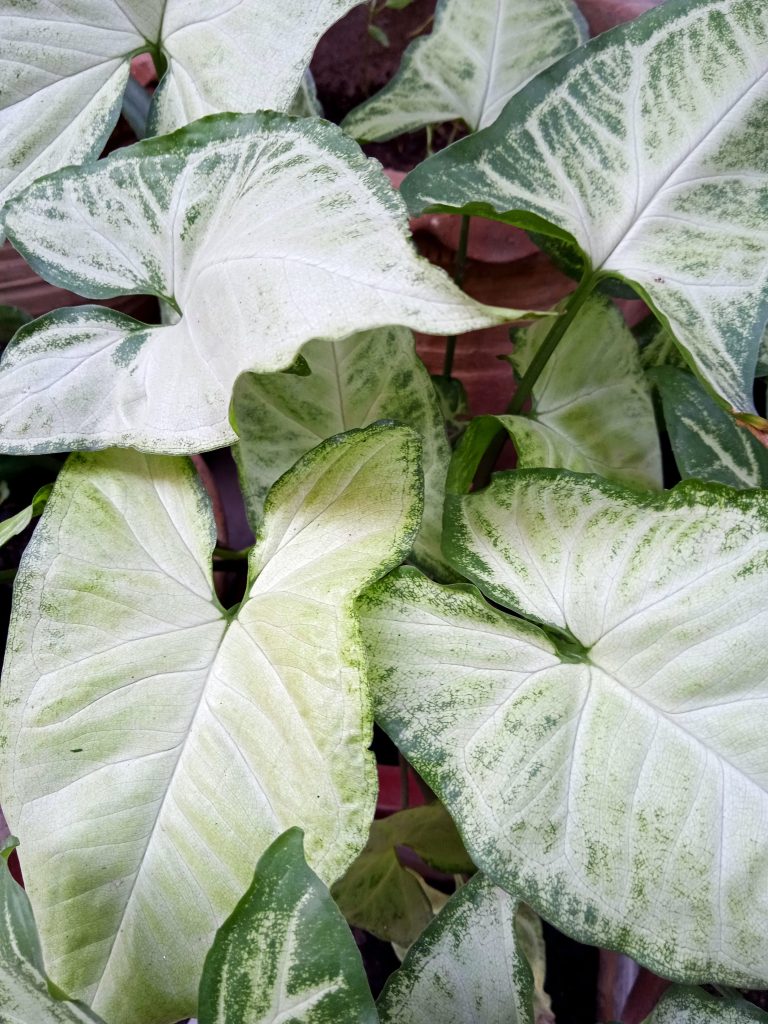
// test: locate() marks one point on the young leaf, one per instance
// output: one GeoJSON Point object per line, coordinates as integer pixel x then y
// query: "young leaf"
{"type": "Point", "coordinates": [356, 381]}
{"type": "Point", "coordinates": [706, 441]}
{"type": "Point", "coordinates": [64, 69]}
{"type": "Point", "coordinates": [387, 899]}
{"type": "Point", "coordinates": [14, 525]}
{"type": "Point", "coordinates": [592, 409]}
{"type": "Point", "coordinates": [467, 966]}
{"type": "Point", "coordinates": [379, 35]}
{"type": "Point", "coordinates": [264, 232]}
{"type": "Point", "coordinates": [477, 56]}
{"type": "Point", "coordinates": [608, 767]}
{"type": "Point", "coordinates": [645, 148]}
{"type": "Point", "coordinates": [25, 995]}
{"type": "Point", "coordinates": [161, 740]}
{"type": "Point", "coordinates": [693, 1006]}
{"type": "Point", "coordinates": [285, 953]}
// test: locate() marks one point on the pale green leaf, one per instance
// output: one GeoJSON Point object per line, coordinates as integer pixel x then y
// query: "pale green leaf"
{"type": "Point", "coordinates": [476, 57]}
{"type": "Point", "coordinates": [467, 966]}
{"type": "Point", "coordinates": [263, 231]}
{"type": "Point", "coordinates": [25, 997]}
{"type": "Point", "coordinates": [387, 899]}
{"type": "Point", "coordinates": [707, 443]}
{"type": "Point", "coordinates": [64, 69]}
{"type": "Point", "coordinates": [610, 767]}
{"type": "Point", "coordinates": [591, 409]}
{"type": "Point", "coordinates": [645, 148]}
{"type": "Point", "coordinates": [306, 102]}
{"type": "Point", "coordinates": [693, 1006]}
{"type": "Point", "coordinates": [286, 953]}
{"type": "Point", "coordinates": [15, 525]}
{"type": "Point", "coordinates": [353, 382]}
{"type": "Point", "coordinates": [379, 35]}
{"type": "Point", "coordinates": [154, 743]}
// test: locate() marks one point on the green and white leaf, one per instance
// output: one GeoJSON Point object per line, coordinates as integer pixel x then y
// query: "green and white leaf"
{"type": "Point", "coordinates": [610, 766]}
{"type": "Point", "coordinates": [14, 525]}
{"type": "Point", "coordinates": [25, 995]}
{"type": "Point", "coordinates": [592, 410]}
{"type": "Point", "coordinates": [467, 966]}
{"type": "Point", "coordinates": [161, 741]}
{"type": "Point", "coordinates": [477, 56]}
{"type": "Point", "coordinates": [356, 381]}
{"type": "Point", "coordinates": [706, 442]}
{"type": "Point", "coordinates": [286, 953]}
{"type": "Point", "coordinates": [694, 1006]}
{"type": "Point", "coordinates": [644, 148]}
{"type": "Point", "coordinates": [64, 69]}
{"type": "Point", "coordinates": [657, 346]}
{"type": "Point", "coordinates": [382, 896]}
{"type": "Point", "coordinates": [263, 231]}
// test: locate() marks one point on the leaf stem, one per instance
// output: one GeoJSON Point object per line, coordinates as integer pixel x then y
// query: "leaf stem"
{"type": "Point", "coordinates": [556, 334]}
{"type": "Point", "coordinates": [228, 555]}
{"type": "Point", "coordinates": [459, 270]}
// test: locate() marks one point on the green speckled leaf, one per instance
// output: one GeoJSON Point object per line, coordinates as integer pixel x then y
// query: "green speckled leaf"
{"type": "Point", "coordinates": [64, 65]}
{"type": "Point", "coordinates": [591, 409]}
{"type": "Point", "coordinates": [476, 57]}
{"type": "Point", "coordinates": [286, 953]}
{"type": "Point", "coordinates": [693, 1006]}
{"type": "Point", "coordinates": [163, 743]}
{"type": "Point", "coordinates": [610, 766]}
{"type": "Point", "coordinates": [706, 441]}
{"type": "Point", "coordinates": [467, 966]}
{"type": "Point", "coordinates": [356, 381]}
{"type": "Point", "coordinates": [645, 148]}
{"type": "Point", "coordinates": [264, 231]}
{"type": "Point", "coordinates": [387, 899]}
{"type": "Point", "coordinates": [14, 525]}
{"type": "Point", "coordinates": [25, 997]}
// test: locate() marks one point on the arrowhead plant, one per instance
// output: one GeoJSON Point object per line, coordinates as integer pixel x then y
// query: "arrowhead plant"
{"type": "Point", "coordinates": [567, 657]}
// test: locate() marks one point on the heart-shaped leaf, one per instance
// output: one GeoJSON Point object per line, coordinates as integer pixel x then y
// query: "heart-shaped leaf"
{"type": "Point", "coordinates": [64, 68]}
{"type": "Point", "coordinates": [693, 1006]}
{"type": "Point", "coordinates": [467, 966]}
{"type": "Point", "coordinates": [706, 442]}
{"type": "Point", "coordinates": [356, 381]}
{"type": "Point", "coordinates": [644, 148]}
{"type": "Point", "coordinates": [286, 953]}
{"type": "Point", "coordinates": [161, 741]}
{"type": "Point", "coordinates": [476, 57]}
{"type": "Point", "coordinates": [25, 994]}
{"type": "Point", "coordinates": [263, 231]}
{"type": "Point", "coordinates": [610, 766]}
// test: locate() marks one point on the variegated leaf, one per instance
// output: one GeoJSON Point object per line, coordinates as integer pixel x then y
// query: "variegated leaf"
{"type": "Point", "coordinates": [693, 1006]}
{"type": "Point", "coordinates": [706, 442]}
{"type": "Point", "coordinates": [645, 149]}
{"type": "Point", "coordinates": [25, 995]}
{"type": "Point", "coordinates": [591, 409]}
{"type": "Point", "coordinates": [286, 953]}
{"type": "Point", "coordinates": [610, 766]}
{"type": "Point", "coordinates": [353, 382]}
{"type": "Point", "coordinates": [476, 57]}
{"type": "Point", "coordinates": [155, 742]}
{"type": "Point", "coordinates": [64, 65]}
{"type": "Point", "coordinates": [263, 231]}
{"type": "Point", "coordinates": [467, 966]}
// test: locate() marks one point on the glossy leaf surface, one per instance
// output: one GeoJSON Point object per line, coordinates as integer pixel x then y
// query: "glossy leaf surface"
{"type": "Point", "coordinates": [467, 966]}
{"type": "Point", "coordinates": [159, 740]}
{"type": "Point", "coordinates": [644, 148]}
{"type": "Point", "coordinates": [286, 953]}
{"type": "Point", "coordinates": [353, 382]}
{"type": "Point", "coordinates": [263, 231]}
{"type": "Point", "coordinates": [476, 57]}
{"type": "Point", "coordinates": [608, 764]}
